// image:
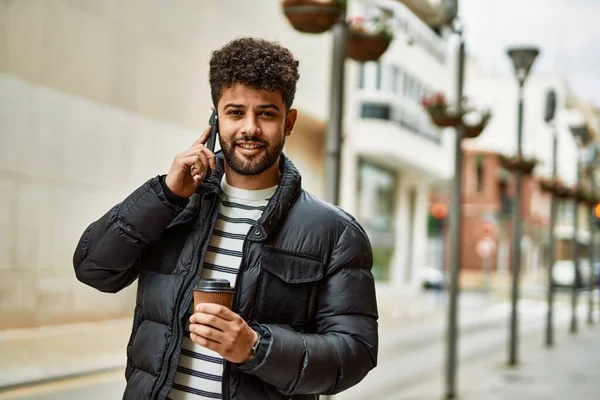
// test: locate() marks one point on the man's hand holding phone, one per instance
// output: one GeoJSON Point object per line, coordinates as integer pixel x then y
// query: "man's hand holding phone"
{"type": "Point", "coordinates": [190, 167]}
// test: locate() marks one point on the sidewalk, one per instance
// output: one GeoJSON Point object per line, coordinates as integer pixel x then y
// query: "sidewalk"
{"type": "Point", "coordinates": [29, 356]}
{"type": "Point", "coordinates": [569, 371]}
{"type": "Point", "coordinates": [41, 354]}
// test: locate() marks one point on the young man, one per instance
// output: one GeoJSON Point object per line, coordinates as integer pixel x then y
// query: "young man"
{"type": "Point", "coordinates": [304, 316]}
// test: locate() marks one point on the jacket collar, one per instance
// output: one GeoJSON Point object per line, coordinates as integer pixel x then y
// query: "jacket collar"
{"type": "Point", "coordinates": [288, 191]}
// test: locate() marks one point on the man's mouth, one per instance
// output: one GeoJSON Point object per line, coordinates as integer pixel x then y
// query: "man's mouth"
{"type": "Point", "coordinates": [249, 145]}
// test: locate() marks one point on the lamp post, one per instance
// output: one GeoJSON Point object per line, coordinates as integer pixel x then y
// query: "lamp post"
{"type": "Point", "coordinates": [336, 111]}
{"type": "Point", "coordinates": [592, 225]}
{"type": "Point", "coordinates": [579, 134]}
{"type": "Point", "coordinates": [522, 58]}
{"type": "Point", "coordinates": [455, 229]}
{"type": "Point", "coordinates": [549, 117]}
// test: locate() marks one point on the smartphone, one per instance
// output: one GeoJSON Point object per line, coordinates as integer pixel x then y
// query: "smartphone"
{"type": "Point", "coordinates": [214, 130]}
{"type": "Point", "coordinates": [212, 139]}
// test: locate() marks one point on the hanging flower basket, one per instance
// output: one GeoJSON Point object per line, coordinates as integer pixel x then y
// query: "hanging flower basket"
{"type": "Point", "coordinates": [562, 191]}
{"type": "Point", "coordinates": [368, 39]}
{"type": "Point", "coordinates": [593, 199]}
{"type": "Point", "coordinates": [472, 131]}
{"type": "Point", "coordinates": [548, 185]}
{"type": "Point", "coordinates": [583, 195]}
{"type": "Point", "coordinates": [518, 163]}
{"type": "Point", "coordinates": [440, 111]}
{"type": "Point", "coordinates": [312, 16]}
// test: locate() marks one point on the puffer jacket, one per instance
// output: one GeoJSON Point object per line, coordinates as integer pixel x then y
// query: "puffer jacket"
{"type": "Point", "coordinates": [304, 284]}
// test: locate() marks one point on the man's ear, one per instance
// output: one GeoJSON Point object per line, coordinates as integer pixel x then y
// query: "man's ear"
{"type": "Point", "coordinates": [290, 121]}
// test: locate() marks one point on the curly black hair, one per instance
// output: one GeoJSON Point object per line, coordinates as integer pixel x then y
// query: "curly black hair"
{"type": "Point", "coordinates": [256, 63]}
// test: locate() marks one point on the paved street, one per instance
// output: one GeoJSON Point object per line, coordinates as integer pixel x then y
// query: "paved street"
{"type": "Point", "coordinates": [412, 357]}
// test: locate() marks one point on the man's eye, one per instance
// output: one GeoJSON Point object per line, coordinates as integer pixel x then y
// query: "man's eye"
{"type": "Point", "coordinates": [267, 114]}
{"type": "Point", "coordinates": [234, 112]}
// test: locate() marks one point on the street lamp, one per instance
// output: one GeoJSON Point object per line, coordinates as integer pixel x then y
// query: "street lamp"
{"type": "Point", "coordinates": [455, 227]}
{"type": "Point", "coordinates": [550, 118]}
{"type": "Point", "coordinates": [579, 134]}
{"type": "Point", "coordinates": [522, 58]}
{"type": "Point", "coordinates": [593, 161]}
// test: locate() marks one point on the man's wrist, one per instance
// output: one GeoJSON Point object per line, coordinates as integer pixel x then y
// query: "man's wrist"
{"type": "Point", "coordinates": [172, 197]}
{"type": "Point", "coordinates": [255, 344]}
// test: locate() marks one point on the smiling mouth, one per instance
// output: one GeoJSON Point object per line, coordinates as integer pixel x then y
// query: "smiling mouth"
{"type": "Point", "coordinates": [250, 145]}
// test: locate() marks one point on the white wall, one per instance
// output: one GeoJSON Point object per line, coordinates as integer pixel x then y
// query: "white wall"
{"type": "Point", "coordinates": [64, 161]}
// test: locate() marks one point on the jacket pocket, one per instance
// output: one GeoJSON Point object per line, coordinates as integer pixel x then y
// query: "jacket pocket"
{"type": "Point", "coordinates": [287, 287]}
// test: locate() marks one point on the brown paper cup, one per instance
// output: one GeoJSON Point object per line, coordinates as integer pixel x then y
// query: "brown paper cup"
{"type": "Point", "coordinates": [216, 291]}
{"type": "Point", "coordinates": [222, 298]}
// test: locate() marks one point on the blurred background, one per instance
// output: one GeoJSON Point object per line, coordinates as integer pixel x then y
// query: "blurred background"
{"type": "Point", "coordinates": [97, 96]}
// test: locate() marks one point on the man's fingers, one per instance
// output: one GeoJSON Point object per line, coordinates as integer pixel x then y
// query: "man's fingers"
{"type": "Point", "coordinates": [210, 156]}
{"type": "Point", "coordinates": [210, 320]}
{"type": "Point", "coordinates": [203, 137]}
{"type": "Point", "coordinates": [188, 161]}
{"type": "Point", "coordinates": [202, 161]}
{"type": "Point", "coordinates": [217, 310]}
{"type": "Point", "coordinates": [204, 342]}
{"type": "Point", "coordinates": [207, 332]}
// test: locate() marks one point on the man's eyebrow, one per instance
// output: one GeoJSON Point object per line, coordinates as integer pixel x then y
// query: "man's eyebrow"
{"type": "Point", "coordinates": [232, 105]}
{"type": "Point", "coordinates": [264, 106]}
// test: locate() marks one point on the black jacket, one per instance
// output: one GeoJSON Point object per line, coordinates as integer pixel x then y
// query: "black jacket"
{"type": "Point", "coordinates": [305, 284]}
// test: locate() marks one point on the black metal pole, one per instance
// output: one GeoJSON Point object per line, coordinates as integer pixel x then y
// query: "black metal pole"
{"type": "Point", "coordinates": [336, 112]}
{"type": "Point", "coordinates": [552, 247]}
{"type": "Point", "coordinates": [516, 243]}
{"type": "Point", "coordinates": [335, 127]}
{"type": "Point", "coordinates": [575, 255]}
{"type": "Point", "coordinates": [592, 277]}
{"type": "Point", "coordinates": [456, 234]}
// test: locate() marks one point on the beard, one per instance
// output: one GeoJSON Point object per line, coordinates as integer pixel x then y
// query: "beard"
{"type": "Point", "coordinates": [256, 165]}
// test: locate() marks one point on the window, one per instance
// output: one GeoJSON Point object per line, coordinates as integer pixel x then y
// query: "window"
{"type": "Point", "coordinates": [373, 110]}
{"type": "Point", "coordinates": [407, 86]}
{"type": "Point", "coordinates": [376, 212]}
{"type": "Point", "coordinates": [479, 173]}
{"type": "Point", "coordinates": [361, 76]}
{"type": "Point", "coordinates": [378, 78]}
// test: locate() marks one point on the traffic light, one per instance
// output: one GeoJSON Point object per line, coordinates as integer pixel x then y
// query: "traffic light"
{"type": "Point", "coordinates": [437, 217]}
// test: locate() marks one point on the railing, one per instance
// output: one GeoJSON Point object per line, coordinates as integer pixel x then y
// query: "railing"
{"type": "Point", "coordinates": [405, 21]}
{"type": "Point", "coordinates": [410, 121]}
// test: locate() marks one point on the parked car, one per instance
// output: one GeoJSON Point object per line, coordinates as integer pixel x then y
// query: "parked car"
{"type": "Point", "coordinates": [433, 278]}
{"type": "Point", "coordinates": [563, 273]}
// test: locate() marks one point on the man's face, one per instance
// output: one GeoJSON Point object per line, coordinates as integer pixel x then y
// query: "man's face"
{"type": "Point", "coordinates": [253, 126]}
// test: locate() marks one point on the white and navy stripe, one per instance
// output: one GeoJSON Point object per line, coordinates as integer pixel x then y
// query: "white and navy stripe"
{"type": "Point", "coordinates": [200, 370]}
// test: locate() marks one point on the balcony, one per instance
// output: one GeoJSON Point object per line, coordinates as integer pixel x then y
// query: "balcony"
{"type": "Point", "coordinates": [415, 123]}
{"type": "Point", "coordinates": [431, 12]}
{"type": "Point", "coordinates": [410, 28]}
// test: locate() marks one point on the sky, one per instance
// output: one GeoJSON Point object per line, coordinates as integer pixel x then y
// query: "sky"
{"type": "Point", "coordinates": [567, 33]}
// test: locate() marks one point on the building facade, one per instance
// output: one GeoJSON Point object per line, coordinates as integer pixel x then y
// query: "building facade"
{"type": "Point", "coordinates": [488, 192]}
{"type": "Point", "coordinates": [99, 96]}
{"type": "Point", "coordinates": [393, 155]}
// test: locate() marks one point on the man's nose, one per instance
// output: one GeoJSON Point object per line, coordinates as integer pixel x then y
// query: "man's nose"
{"type": "Point", "coordinates": [251, 127]}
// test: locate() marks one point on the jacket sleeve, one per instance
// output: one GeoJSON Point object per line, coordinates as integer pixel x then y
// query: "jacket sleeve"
{"type": "Point", "coordinates": [108, 253]}
{"type": "Point", "coordinates": [346, 337]}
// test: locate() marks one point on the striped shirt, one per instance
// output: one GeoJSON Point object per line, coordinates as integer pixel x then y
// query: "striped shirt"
{"type": "Point", "coordinates": [200, 370]}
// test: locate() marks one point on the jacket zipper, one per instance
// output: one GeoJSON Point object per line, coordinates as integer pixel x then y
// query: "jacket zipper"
{"type": "Point", "coordinates": [186, 299]}
{"type": "Point", "coordinates": [235, 306]}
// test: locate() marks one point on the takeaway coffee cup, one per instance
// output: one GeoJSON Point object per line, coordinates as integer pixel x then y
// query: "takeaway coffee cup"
{"type": "Point", "coordinates": [213, 291]}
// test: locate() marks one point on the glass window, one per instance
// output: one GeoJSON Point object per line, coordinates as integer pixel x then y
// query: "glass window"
{"type": "Point", "coordinates": [361, 76]}
{"type": "Point", "coordinates": [479, 173]}
{"type": "Point", "coordinates": [373, 110]}
{"type": "Point", "coordinates": [376, 213]}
